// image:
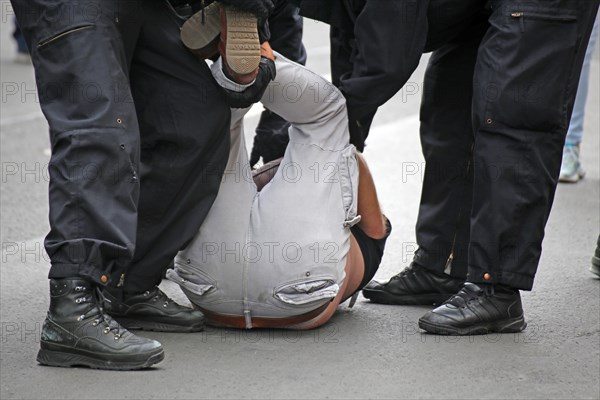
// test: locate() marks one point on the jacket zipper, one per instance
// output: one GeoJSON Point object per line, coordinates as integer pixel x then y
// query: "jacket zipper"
{"type": "Point", "coordinates": [543, 17]}
{"type": "Point", "coordinates": [521, 20]}
{"type": "Point", "coordinates": [556, 18]}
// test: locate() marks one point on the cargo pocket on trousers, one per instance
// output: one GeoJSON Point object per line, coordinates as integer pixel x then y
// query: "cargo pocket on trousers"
{"type": "Point", "coordinates": [534, 76]}
{"type": "Point", "coordinates": [194, 281]}
{"type": "Point", "coordinates": [81, 78]}
{"type": "Point", "coordinates": [348, 170]}
{"type": "Point", "coordinates": [304, 292]}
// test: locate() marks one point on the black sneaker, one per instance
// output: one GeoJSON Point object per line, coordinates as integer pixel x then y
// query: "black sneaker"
{"type": "Point", "coordinates": [477, 310]}
{"type": "Point", "coordinates": [77, 332]}
{"type": "Point", "coordinates": [415, 285]}
{"type": "Point", "coordinates": [152, 311]}
{"type": "Point", "coordinates": [595, 268]}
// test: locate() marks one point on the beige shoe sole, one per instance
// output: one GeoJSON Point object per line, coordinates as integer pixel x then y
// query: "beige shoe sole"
{"type": "Point", "coordinates": [243, 46]}
{"type": "Point", "coordinates": [196, 35]}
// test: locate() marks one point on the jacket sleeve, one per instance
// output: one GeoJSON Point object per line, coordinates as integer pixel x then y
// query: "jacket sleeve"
{"type": "Point", "coordinates": [261, 8]}
{"type": "Point", "coordinates": [390, 37]}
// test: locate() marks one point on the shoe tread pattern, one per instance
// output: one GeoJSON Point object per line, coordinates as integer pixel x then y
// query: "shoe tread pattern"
{"type": "Point", "coordinates": [199, 31]}
{"type": "Point", "coordinates": [243, 46]}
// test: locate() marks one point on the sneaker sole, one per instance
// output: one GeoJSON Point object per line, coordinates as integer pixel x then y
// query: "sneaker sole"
{"type": "Point", "coordinates": [141, 325]}
{"type": "Point", "coordinates": [571, 178]}
{"type": "Point", "coordinates": [381, 297]}
{"type": "Point", "coordinates": [195, 35]}
{"type": "Point", "coordinates": [242, 50]}
{"type": "Point", "coordinates": [512, 325]}
{"type": "Point", "coordinates": [64, 359]}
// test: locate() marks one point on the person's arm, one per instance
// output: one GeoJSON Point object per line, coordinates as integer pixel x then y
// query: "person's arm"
{"type": "Point", "coordinates": [372, 221]}
{"type": "Point", "coordinates": [388, 40]}
{"type": "Point", "coordinates": [315, 107]}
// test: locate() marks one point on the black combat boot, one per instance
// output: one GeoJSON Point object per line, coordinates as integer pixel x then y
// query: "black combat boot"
{"type": "Point", "coordinates": [77, 332]}
{"type": "Point", "coordinates": [595, 268]}
{"type": "Point", "coordinates": [415, 285]}
{"type": "Point", "coordinates": [475, 310]}
{"type": "Point", "coordinates": [152, 311]}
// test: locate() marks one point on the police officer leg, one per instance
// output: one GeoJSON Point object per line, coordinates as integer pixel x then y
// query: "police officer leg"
{"type": "Point", "coordinates": [80, 54]}
{"type": "Point", "coordinates": [184, 125]}
{"type": "Point", "coordinates": [523, 99]}
{"type": "Point", "coordinates": [440, 264]}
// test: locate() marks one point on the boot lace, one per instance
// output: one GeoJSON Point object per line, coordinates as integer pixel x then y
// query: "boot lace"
{"type": "Point", "coordinates": [95, 299]}
{"type": "Point", "coordinates": [159, 295]}
{"type": "Point", "coordinates": [464, 297]}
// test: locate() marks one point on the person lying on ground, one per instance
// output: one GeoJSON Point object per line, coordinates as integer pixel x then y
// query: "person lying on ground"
{"type": "Point", "coordinates": [285, 247]}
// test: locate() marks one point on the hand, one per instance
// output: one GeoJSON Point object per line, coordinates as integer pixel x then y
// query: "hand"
{"type": "Point", "coordinates": [253, 94]}
{"type": "Point", "coordinates": [357, 134]}
{"type": "Point", "coordinates": [359, 126]}
{"type": "Point", "coordinates": [264, 32]}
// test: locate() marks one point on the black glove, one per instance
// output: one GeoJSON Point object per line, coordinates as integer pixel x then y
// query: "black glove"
{"type": "Point", "coordinates": [261, 8]}
{"type": "Point", "coordinates": [359, 128]}
{"type": "Point", "coordinates": [264, 33]}
{"type": "Point", "coordinates": [272, 138]}
{"type": "Point", "coordinates": [357, 134]}
{"type": "Point", "coordinates": [253, 94]}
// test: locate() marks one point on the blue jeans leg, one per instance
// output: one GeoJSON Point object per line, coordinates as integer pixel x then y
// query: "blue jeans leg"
{"type": "Point", "coordinates": [575, 133]}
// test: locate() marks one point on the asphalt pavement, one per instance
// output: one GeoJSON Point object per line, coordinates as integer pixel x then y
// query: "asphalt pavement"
{"type": "Point", "coordinates": [370, 351]}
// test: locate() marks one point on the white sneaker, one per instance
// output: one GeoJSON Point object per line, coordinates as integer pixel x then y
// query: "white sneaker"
{"type": "Point", "coordinates": [22, 58]}
{"type": "Point", "coordinates": [570, 169]}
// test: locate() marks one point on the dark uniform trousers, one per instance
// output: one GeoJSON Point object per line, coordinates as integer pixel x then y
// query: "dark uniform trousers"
{"type": "Point", "coordinates": [139, 134]}
{"type": "Point", "coordinates": [497, 99]}
{"type": "Point", "coordinates": [285, 26]}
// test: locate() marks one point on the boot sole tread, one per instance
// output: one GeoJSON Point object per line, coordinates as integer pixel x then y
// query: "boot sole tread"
{"type": "Point", "coordinates": [511, 325]}
{"type": "Point", "coordinates": [195, 35]}
{"type": "Point", "coordinates": [141, 325]}
{"type": "Point", "coordinates": [381, 297]}
{"type": "Point", "coordinates": [65, 359]}
{"type": "Point", "coordinates": [243, 45]}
